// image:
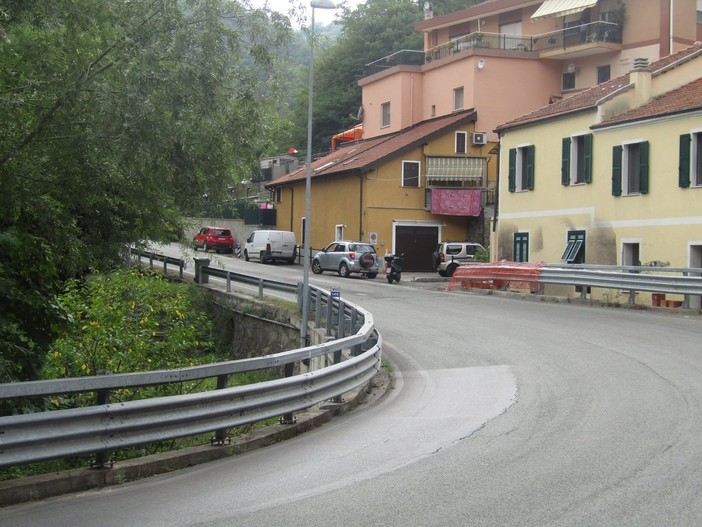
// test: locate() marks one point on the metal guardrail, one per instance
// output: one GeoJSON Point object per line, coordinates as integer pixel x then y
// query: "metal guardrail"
{"type": "Point", "coordinates": [108, 426]}
{"type": "Point", "coordinates": [632, 279]}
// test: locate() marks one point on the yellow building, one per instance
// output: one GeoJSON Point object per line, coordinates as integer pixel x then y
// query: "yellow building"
{"type": "Point", "coordinates": [612, 175]}
{"type": "Point", "coordinates": [403, 192]}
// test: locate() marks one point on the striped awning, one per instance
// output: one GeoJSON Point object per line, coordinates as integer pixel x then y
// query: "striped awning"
{"type": "Point", "coordinates": [552, 8]}
{"type": "Point", "coordinates": [456, 169]}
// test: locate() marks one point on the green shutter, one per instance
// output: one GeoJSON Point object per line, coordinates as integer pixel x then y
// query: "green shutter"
{"type": "Point", "coordinates": [617, 152]}
{"type": "Point", "coordinates": [684, 163]}
{"type": "Point", "coordinates": [530, 151]}
{"type": "Point", "coordinates": [512, 169]}
{"type": "Point", "coordinates": [643, 166]}
{"type": "Point", "coordinates": [565, 162]}
{"type": "Point", "coordinates": [588, 158]}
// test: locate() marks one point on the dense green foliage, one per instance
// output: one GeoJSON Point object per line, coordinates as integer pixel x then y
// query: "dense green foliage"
{"type": "Point", "coordinates": [115, 118]}
{"type": "Point", "coordinates": [130, 320]}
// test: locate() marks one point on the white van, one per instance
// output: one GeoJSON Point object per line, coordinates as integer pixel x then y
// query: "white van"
{"type": "Point", "coordinates": [269, 246]}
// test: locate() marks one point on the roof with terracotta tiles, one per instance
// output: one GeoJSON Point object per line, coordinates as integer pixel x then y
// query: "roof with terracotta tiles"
{"type": "Point", "coordinates": [363, 156]}
{"type": "Point", "coordinates": [588, 99]}
{"type": "Point", "coordinates": [684, 99]}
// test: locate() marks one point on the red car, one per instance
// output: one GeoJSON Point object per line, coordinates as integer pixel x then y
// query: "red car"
{"type": "Point", "coordinates": [217, 238]}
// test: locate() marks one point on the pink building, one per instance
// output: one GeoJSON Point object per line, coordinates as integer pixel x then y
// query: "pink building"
{"type": "Point", "coordinates": [505, 58]}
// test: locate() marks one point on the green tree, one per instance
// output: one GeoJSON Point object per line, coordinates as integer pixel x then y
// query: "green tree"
{"type": "Point", "coordinates": [115, 118]}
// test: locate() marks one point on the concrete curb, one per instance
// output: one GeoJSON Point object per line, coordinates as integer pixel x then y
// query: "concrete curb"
{"type": "Point", "coordinates": [65, 482]}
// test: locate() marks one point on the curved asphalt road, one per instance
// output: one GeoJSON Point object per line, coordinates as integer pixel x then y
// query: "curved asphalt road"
{"type": "Point", "coordinates": [504, 412]}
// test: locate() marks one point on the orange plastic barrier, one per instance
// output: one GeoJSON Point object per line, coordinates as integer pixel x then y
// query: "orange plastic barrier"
{"type": "Point", "coordinates": [497, 275]}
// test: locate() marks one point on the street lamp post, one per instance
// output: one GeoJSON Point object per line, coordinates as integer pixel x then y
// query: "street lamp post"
{"type": "Point", "coordinates": [315, 4]}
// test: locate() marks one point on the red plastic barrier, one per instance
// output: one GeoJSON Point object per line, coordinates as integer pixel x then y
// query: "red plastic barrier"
{"type": "Point", "coordinates": [497, 275]}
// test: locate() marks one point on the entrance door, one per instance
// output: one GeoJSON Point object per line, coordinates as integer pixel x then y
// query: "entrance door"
{"type": "Point", "coordinates": [418, 244]}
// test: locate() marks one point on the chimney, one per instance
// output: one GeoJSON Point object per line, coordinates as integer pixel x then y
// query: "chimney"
{"type": "Point", "coordinates": [640, 78]}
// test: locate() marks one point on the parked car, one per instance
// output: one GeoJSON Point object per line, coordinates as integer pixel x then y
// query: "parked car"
{"type": "Point", "coordinates": [217, 238]}
{"type": "Point", "coordinates": [449, 255]}
{"type": "Point", "coordinates": [269, 246]}
{"type": "Point", "coordinates": [346, 258]}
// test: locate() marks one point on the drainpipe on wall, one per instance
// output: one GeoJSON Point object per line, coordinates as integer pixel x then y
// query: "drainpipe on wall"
{"type": "Point", "coordinates": [292, 206]}
{"type": "Point", "coordinates": [360, 208]}
{"type": "Point", "coordinates": [670, 15]}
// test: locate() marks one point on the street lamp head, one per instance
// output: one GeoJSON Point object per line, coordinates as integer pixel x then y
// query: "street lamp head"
{"type": "Point", "coordinates": [322, 4]}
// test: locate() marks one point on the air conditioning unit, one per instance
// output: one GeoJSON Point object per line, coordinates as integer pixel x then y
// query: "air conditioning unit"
{"type": "Point", "coordinates": [479, 138]}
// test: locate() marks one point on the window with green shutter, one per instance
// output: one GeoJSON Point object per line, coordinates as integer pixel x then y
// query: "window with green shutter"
{"type": "Point", "coordinates": [690, 160]}
{"type": "Point", "coordinates": [617, 155]}
{"type": "Point", "coordinates": [512, 170]}
{"type": "Point", "coordinates": [630, 169]}
{"type": "Point", "coordinates": [530, 154]}
{"type": "Point", "coordinates": [520, 247]}
{"type": "Point", "coordinates": [576, 160]}
{"type": "Point", "coordinates": [565, 161]}
{"type": "Point", "coordinates": [684, 161]}
{"type": "Point", "coordinates": [521, 168]}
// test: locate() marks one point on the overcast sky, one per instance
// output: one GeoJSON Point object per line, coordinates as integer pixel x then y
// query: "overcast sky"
{"type": "Point", "coordinates": [321, 16]}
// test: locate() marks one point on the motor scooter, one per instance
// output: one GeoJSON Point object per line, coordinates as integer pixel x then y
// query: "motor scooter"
{"type": "Point", "coordinates": [393, 267]}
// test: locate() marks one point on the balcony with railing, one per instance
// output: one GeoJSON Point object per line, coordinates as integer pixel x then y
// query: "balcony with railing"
{"type": "Point", "coordinates": [566, 43]}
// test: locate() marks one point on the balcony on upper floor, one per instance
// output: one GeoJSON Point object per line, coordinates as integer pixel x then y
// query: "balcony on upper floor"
{"type": "Point", "coordinates": [564, 44]}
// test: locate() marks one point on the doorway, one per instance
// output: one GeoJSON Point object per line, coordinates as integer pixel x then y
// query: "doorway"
{"type": "Point", "coordinates": [418, 244]}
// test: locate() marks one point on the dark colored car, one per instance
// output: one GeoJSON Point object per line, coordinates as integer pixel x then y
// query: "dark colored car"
{"type": "Point", "coordinates": [346, 258]}
{"type": "Point", "coordinates": [217, 238]}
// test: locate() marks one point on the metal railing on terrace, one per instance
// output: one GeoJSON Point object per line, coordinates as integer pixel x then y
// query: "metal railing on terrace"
{"type": "Point", "coordinates": [562, 39]}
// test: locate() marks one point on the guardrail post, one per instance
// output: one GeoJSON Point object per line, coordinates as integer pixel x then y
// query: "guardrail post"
{"type": "Point", "coordinates": [102, 458]}
{"type": "Point", "coordinates": [300, 292]}
{"type": "Point", "coordinates": [341, 327]}
{"type": "Point", "coordinates": [165, 266]}
{"type": "Point", "coordinates": [221, 435]}
{"type": "Point", "coordinates": [318, 310]}
{"type": "Point", "coordinates": [200, 264]}
{"type": "Point", "coordinates": [229, 282]}
{"type": "Point", "coordinates": [632, 297]}
{"type": "Point", "coordinates": [330, 315]}
{"type": "Point", "coordinates": [355, 326]}
{"type": "Point", "coordinates": [181, 264]}
{"type": "Point", "coordinates": [289, 418]}
{"type": "Point", "coordinates": [151, 260]}
{"type": "Point", "coordinates": [260, 288]}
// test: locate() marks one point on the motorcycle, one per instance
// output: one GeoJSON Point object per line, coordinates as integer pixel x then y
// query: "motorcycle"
{"type": "Point", "coordinates": [393, 267]}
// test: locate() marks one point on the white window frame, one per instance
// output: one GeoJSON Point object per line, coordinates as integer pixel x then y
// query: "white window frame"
{"type": "Point", "coordinates": [339, 232]}
{"type": "Point", "coordinates": [521, 178]}
{"type": "Point", "coordinates": [630, 246]}
{"type": "Point", "coordinates": [696, 156]}
{"type": "Point", "coordinates": [419, 173]}
{"type": "Point", "coordinates": [385, 115]}
{"type": "Point", "coordinates": [458, 98]}
{"type": "Point", "coordinates": [627, 165]}
{"type": "Point", "coordinates": [577, 148]}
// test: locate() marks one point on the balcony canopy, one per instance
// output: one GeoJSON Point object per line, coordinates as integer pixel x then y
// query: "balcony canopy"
{"type": "Point", "coordinates": [456, 169]}
{"type": "Point", "coordinates": [551, 8]}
